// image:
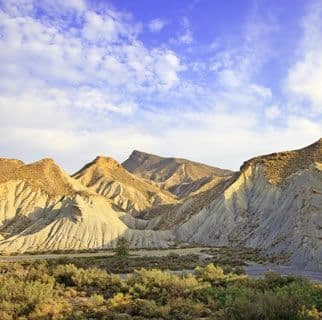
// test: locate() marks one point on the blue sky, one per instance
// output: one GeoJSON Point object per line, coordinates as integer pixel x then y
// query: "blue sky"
{"type": "Point", "coordinates": [212, 81]}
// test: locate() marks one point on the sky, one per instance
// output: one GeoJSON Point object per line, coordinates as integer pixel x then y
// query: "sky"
{"type": "Point", "coordinates": [215, 81]}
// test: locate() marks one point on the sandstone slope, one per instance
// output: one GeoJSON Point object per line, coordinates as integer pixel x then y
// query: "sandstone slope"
{"type": "Point", "coordinates": [274, 204]}
{"type": "Point", "coordinates": [131, 193]}
{"type": "Point", "coordinates": [42, 208]}
{"type": "Point", "coordinates": [179, 176]}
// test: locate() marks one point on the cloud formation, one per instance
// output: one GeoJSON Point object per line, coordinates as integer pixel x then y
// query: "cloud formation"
{"type": "Point", "coordinates": [156, 25]}
{"type": "Point", "coordinates": [305, 75]}
{"type": "Point", "coordinates": [79, 80]}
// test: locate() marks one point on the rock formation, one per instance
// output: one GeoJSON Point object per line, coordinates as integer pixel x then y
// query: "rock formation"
{"type": "Point", "coordinates": [274, 203]}
{"type": "Point", "coordinates": [179, 176]}
{"type": "Point", "coordinates": [42, 208]}
{"type": "Point", "coordinates": [108, 178]}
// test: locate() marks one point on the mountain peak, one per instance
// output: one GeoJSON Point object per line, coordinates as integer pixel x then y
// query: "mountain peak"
{"type": "Point", "coordinates": [106, 161]}
{"type": "Point", "coordinates": [179, 176]}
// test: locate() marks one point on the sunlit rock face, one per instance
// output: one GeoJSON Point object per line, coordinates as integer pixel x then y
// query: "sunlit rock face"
{"type": "Point", "coordinates": [275, 204]}
{"type": "Point", "coordinates": [108, 178]}
{"type": "Point", "coordinates": [42, 208]}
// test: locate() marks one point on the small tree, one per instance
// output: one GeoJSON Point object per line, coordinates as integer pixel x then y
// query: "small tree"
{"type": "Point", "coordinates": [122, 247]}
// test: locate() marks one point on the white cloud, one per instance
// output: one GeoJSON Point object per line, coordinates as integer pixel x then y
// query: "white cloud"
{"type": "Point", "coordinates": [272, 112]}
{"type": "Point", "coordinates": [74, 93]}
{"type": "Point", "coordinates": [305, 75]}
{"type": "Point", "coordinates": [156, 25]}
{"type": "Point", "coordinates": [167, 67]}
{"type": "Point", "coordinates": [114, 62]}
{"type": "Point", "coordinates": [185, 37]}
{"type": "Point", "coordinates": [107, 28]}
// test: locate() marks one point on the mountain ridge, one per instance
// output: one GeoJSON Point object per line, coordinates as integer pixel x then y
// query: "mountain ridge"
{"type": "Point", "coordinates": [274, 204]}
{"type": "Point", "coordinates": [180, 176]}
{"type": "Point", "coordinates": [107, 177]}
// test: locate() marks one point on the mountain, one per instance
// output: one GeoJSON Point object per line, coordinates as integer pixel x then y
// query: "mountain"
{"type": "Point", "coordinates": [179, 176]}
{"type": "Point", "coordinates": [108, 178]}
{"type": "Point", "coordinates": [274, 204]}
{"type": "Point", "coordinates": [42, 208]}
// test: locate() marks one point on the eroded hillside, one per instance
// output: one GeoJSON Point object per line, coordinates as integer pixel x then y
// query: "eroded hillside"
{"type": "Point", "coordinates": [179, 176]}
{"type": "Point", "coordinates": [42, 208]}
{"type": "Point", "coordinates": [108, 178]}
{"type": "Point", "coordinates": [274, 204]}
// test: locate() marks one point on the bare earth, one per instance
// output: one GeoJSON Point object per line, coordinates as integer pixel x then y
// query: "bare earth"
{"type": "Point", "coordinates": [253, 270]}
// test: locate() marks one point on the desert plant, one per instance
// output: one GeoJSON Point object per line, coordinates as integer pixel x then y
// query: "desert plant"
{"type": "Point", "coordinates": [122, 247]}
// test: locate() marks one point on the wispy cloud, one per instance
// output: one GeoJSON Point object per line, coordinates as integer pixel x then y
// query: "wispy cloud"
{"type": "Point", "coordinates": [77, 81]}
{"type": "Point", "coordinates": [157, 25]}
{"type": "Point", "coordinates": [305, 75]}
{"type": "Point", "coordinates": [185, 36]}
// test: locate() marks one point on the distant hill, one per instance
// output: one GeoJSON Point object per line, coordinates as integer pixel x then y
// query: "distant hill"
{"type": "Point", "coordinates": [179, 176]}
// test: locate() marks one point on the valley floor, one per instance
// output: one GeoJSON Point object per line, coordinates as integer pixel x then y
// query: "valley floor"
{"type": "Point", "coordinates": [187, 258]}
{"type": "Point", "coordinates": [176, 284]}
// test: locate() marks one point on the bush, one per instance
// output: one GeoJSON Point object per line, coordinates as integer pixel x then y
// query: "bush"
{"type": "Point", "coordinates": [43, 291]}
{"type": "Point", "coordinates": [29, 292]}
{"type": "Point", "coordinates": [215, 275]}
{"type": "Point", "coordinates": [160, 286]}
{"type": "Point", "coordinates": [122, 247]}
{"type": "Point", "coordinates": [89, 279]}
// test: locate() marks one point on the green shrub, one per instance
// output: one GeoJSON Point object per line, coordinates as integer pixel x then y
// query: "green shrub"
{"type": "Point", "coordinates": [97, 299]}
{"type": "Point", "coordinates": [41, 290]}
{"type": "Point", "coordinates": [160, 286]}
{"type": "Point", "coordinates": [215, 275]}
{"type": "Point", "coordinates": [89, 279]}
{"type": "Point", "coordinates": [122, 247]}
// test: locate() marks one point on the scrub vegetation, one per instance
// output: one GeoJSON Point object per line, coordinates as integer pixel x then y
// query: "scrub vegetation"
{"type": "Point", "coordinates": [43, 290]}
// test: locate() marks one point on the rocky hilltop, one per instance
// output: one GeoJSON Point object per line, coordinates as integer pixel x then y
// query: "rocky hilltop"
{"type": "Point", "coordinates": [274, 203]}
{"type": "Point", "coordinates": [108, 178]}
{"type": "Point", "coordinates": [179, 176]}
